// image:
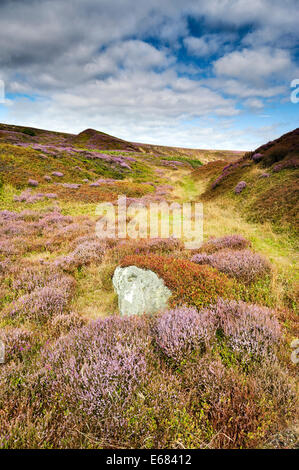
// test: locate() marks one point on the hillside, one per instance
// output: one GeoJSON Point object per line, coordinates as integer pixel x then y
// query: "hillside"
{"type": "Point", "coordinates": [271, 175]}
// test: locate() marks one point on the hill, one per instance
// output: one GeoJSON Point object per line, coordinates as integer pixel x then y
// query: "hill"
{"type": "Point", "coordinates": [270, 174]}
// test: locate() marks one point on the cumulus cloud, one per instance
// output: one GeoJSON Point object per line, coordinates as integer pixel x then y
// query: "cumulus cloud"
{"type": "Point", "coordinates": [254, 65]}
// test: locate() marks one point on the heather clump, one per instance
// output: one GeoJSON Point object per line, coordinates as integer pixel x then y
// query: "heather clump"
{"type": "Point", "coordinates": [17, 342]}
{"type": "Point", "coordinates": [97, 367]}
{"type": "Point", "coordinates": [290, 163]}
{"type": "Point", "coordinates": [251, 331]}
{"type": "Point", "coordinates": [26, 277]}
{"type": "Point", "coordinates": [65, 322]}
{"type": "Point", "coordinates": [234, 242]}
{"type": "Point", "coordinates": [52, 219]}
{"type": "Point", "coordinates": [28, 197]}
{"type": "Point", "coordinates": [32, 182]}
{"type": "Point", "coordinates": [240, 187]}
{"type": "Point", "coordinates": [242, 264]}
{"type": "Point", "coordinates": [159, 245]}
{"type": "Point", "coordinates": [43, 302]}
{"type": "Point", "coordinates": [84, 254]}
{"type": "Point", "coordinates": [182, 331]}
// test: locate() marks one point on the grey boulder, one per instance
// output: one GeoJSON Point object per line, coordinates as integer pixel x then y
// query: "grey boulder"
{"type": "Point", "coordinates": [139, 291]}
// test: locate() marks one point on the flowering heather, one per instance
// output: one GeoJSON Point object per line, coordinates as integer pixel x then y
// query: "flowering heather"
{"type": "Point", "coordinates": [181, 331]}
{"type": "Point", "coordinates": [84, 254]}
{"type": "Point", "coordinates": [8, 215]}
{"type": "Point", "coordinates": [54, 218]}
{"type": "Point", "coordinates": [47, 178]}
{"type": "Point", "coordinates": [71, 185]}
{"type": "Point", "coordinates": [57, 173]}
{"type": "Point", "coordinates": [32, 182]}
{"type": "Point", "coordinates": [250, 330]}
{"type": "Point", "coordinates": [98, 365]}
{"type": "Point", "coordinates": [189, 283]}
{"type": "Point", "coordinates": [159, 245]}
{"type": "Point", "coordinates": [291, 163]}
{"type": "Point", "coordinates": [28, 197]}
{"type": "Point", "coordinates": [226, 172]}
{"type": "Point", "coordinates": [264, 175]}
{"type": "Point", "coordinates": [240, 186]}
{"type": "Point", "coordinates": [242, 264]}
{"type": "Point", "coordinates": [26, 278]}
{"type": "Point", "coordinates": [43, 302]}
{"type": "Point", "coordinates": [17, 342]}
{"type": "Point", "coordinates": [234, 242]}
{"type": "Point", "coordinates": [65, 322]}
{"type": "Point", "coordinates": [6, 247]}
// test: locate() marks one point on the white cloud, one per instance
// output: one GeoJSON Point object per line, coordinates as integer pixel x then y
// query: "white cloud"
{"type": "Point", "coordinates": [207, 45]}
{"type": "Point", "coordinates": [253, 65]}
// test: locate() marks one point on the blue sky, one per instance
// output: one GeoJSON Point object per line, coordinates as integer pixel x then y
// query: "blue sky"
{"type": "Point", "coordinates": [199, 74]}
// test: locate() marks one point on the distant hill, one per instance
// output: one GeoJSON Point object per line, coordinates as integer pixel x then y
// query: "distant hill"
{"type": "Point", "coordinates": [96, 140]}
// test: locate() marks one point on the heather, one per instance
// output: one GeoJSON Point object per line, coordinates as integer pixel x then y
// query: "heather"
{"type": "Point", "coordinates": [241, 264]}
{"type": "Point", "coordinates": [214, 369]}
{"type": "Point", "coordinates": [234, 242]}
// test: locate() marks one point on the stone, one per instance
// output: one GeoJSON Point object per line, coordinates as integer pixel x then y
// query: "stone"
{"type": "Point", "coordinates": [139, 291]}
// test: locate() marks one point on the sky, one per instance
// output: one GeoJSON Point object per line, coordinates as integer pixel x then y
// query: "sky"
{"type": "Point", "coordinates": [212, 74]}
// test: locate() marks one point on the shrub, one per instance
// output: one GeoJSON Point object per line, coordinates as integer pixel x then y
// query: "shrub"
{"type": "Point", "coordinates": [97, 367]}
{"type": "Point", "coordinates": [65, 322]}
{"type": "Point", "coordinates": [257, 157]}
{"type": "Point", "coordinates": [249, 330]}
{"type": "Point", "coordinates": [17, 342]}
{"type": "Point", "coordinates": [32, 182]}
{"type": "Point", "coordinates": [242, 264]}
{"type": "Point", "coordinates": [291, 163]}
{"type": "Point", "coordinates": [159, 245]}
{"type": "Point", "coordinates": [240, 186]}
{"type": "Point", "coordinates": [26, 278]}
{"type": "Point", "coordinates": [275, 155]}
{"type": "Point", "coordinates": [189, 283]}
{"type": "Point", "coordinates": [29, 131]}
{"type": "Point", "coordinates": [84, 254]}
{"type": "Point", "coordinates": [43, 302]}
{"type": "Point", "coordinates": [229, 404]}
{"type": "Point", "coordinates": [181, 331]}
{"type": "Point", "coordinates": [234, 242]}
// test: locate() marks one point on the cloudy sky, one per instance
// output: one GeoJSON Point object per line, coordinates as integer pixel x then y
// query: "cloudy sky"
{"type": "Point", "coordinates": [193, 73]}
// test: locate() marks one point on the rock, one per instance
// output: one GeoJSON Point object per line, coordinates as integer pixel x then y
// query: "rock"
{"type": "Point", "coordinates": [139, 291]}
{"type": "Point", "coordinates": [264, 175]}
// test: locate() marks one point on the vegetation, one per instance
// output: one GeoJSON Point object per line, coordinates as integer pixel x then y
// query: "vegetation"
{"type": "Point", "coordinates": [214, 370]}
